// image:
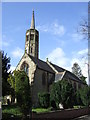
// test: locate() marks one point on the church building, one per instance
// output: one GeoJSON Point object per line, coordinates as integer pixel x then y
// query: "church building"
{"type": "Point", "coordinates": [41, 74]}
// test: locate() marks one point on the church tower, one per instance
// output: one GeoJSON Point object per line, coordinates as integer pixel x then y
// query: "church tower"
{"type": "Point", "coordinates": [32, 40]}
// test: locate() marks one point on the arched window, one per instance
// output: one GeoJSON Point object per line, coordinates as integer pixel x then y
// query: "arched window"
{"type": "Point", "coordinates": [27, 38]}
{"type": "Point", "coordinates": [25, 67]}
{"type": "Point", "coordinates": [31, 49]}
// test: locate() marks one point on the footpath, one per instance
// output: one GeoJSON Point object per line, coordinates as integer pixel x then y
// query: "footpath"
{"type": "Point", "coordinates": [86, 117]}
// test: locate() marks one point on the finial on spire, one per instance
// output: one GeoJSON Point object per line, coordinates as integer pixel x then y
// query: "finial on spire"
{"type": "Point", "coordinates": [33, 21]}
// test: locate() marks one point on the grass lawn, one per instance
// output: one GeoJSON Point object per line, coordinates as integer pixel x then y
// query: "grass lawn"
{"type": "Point", "coordinates": [9, 111]}
{"type": "Point", "coordinates": [13, 110]}
{"type": "Point", "coordinates": [41, 110]}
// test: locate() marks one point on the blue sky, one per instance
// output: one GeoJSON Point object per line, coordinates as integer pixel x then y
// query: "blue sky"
{"type": "Point", "coordinates": [57, 24]}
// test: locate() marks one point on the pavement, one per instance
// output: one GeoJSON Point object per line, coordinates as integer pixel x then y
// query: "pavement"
{"type": "Point", "coordinates": [86, 117]}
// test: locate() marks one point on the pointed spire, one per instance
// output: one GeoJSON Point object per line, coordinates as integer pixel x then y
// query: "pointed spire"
{"type": "Point", "coordinates": [33, 21]}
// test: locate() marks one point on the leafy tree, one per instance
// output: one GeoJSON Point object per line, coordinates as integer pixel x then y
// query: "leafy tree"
{"type": "Point", "coordinates": [22, 89]}
{"type": "Point", "coordinates": [5, 74]}
{"type": "Point", "coordinates": [62, 92]}
{"type": "Point", "coordinates": [11, 81]}
{"type": "Point", "coordinates": [55, 94]}
{"type": "Point", "coordinates": [85, 95]}
{"type": "Point", "coordinates": [44, 99]}
{"type": "Point", "coordinates": [67, 94]}
{"type": "Point", "coordinates": [76, 70]}
{"type": "Point", "coordinates": [83, 78]}
{"type": "Point", "coordinates": [78, 98]}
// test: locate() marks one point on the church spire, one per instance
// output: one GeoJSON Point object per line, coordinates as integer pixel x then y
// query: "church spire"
{"type": "Point", "coordinates": [33, 21]}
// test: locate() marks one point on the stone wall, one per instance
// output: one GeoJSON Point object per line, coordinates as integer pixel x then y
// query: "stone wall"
{"type": "Point", "coordinates": [38, 85]}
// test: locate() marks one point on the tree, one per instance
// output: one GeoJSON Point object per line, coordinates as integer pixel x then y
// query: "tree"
{"type": "Point", "coordinates": [22, 90]}
{"type": "Point", "coordinates": [5, 74]}
{"type": "Point", "coordinates": [76, 70]}
{"type": "Point", "coordinates": [78, 98]}
{"type": "Point", "coordinates": [83, 78]}
{"type": "Point", "coordinates": [67, 94]}
{"type": "Point", "coordinates": [44, 99]}
{"type": "Point", "coordinates": [83, 28]}
{"type": "Point", "coordinates": [11, 81]}
{"type": "Point", "coordinates": [55, 94]}
{"type": "Point", "coordinates": [62, 92]}
{"type": "Point", "coordinates": [85, 95]}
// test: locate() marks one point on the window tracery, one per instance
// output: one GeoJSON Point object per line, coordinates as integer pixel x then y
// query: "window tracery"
{"type": "Point", "coordinates": [25, 67]}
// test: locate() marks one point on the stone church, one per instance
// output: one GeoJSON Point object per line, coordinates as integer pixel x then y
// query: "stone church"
{"type": "Point", "coordinates": [41, 74]}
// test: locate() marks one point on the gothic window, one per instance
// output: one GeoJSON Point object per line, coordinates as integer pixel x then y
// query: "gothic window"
{"type": "Point", "coordinates": [32, 36]}
{"type": "Point", "coordinates": [36, 38]}
{"type": "Point", "coordinates": [27, 38]}
{"type": "Point", "coordinates": [25, 67]}
{"type": "Point", "coordinates": [31, 50]}
{"type": "Point", "coordinates": [43, 78]}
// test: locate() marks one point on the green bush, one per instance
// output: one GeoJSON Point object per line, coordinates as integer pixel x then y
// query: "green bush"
{"type": "Point", "coordinates": [67, 94]}
{"type": "Point", "coordinates": [53, 104]}
{"type": "Point", "coordinates": [22, 90]}
{"type": "Point", "coordinates": [44, 99]}
{"type": "Point", "coordinates": [85, 95]}
{"type": "Point", "coordinates": [62, 92]}
{"type": "Point", "coordinates": [55, 95]}
{"type": "Point", "coordinates": [78, 98]}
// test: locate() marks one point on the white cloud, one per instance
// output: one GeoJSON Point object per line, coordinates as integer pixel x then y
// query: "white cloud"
{"type": "Point", "coordinates": [58, 57]}
{"type": "Point", "coordinates": [43, 28]}
{"type": "Point", "coordinates": [53, 28]}
{"type": "Point", "coordinates": [57, 29]}
{"type": "Point", "coordinates": [17, 53]}
{"type": "Point", "coordinates": [83, 52]}
{"type": "Point", "coordinates": [77, 37]}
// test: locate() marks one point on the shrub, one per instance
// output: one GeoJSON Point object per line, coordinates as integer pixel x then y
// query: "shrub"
{"type": "Point", "coordinates": [22, 89]}
{"type": "Point", "coordinates": [62, 92]}
{"type": "Point", "coordinates": [55, 94]}
{"type": "Point", "coordinates": [44, 99]}
{"type": "Point", "coordinates": [78, 98]}
{"type": "Point", "coordinates": [53, 104]}
{"type": "Point", "coordinates": [85, 95]}
{"type": "Point", "coordinates": [67, 94]}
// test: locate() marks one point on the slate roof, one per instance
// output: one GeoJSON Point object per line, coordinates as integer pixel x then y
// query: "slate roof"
{"type": "Point", "coordinates": [71, 76]}
{"type": "Point", "coordinates": [41, 64]}
{"type": "Point", "coordinates": [59, 69]}
{"type": "Point", "coordinates": [68, 74]}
